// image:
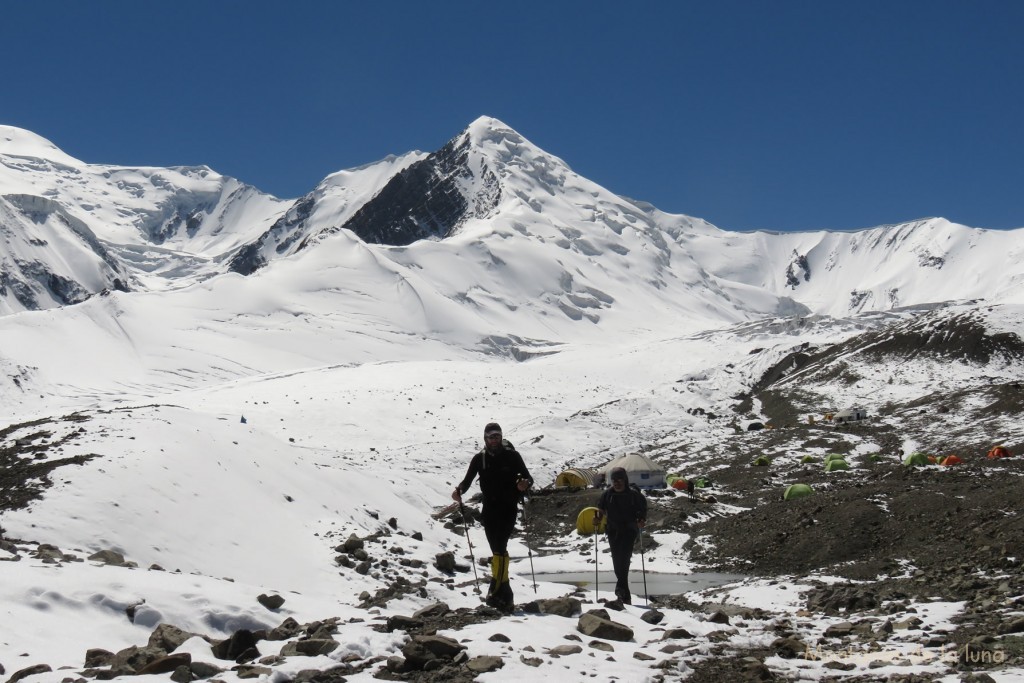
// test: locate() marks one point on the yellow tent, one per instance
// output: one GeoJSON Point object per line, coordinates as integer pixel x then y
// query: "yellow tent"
{"type": "Point", "coordinates": [579, 478]}
{"type": "Point", "coordinates": [585, 521]}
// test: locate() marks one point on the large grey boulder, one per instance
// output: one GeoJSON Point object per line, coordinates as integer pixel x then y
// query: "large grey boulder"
{"type": "Point", "coordinates": [271, 602]}
{"type": "Point", "coordinates": [29, 671]}
{"type": "Point", "coordinates": [484, 664]}
{"type": "Point", "coordinates": [168, 637]}
{"type": "Point", "coordinates": [598, 627]}
{"type": "Point", "coordinates": [232, 648]}
{"type": "Point", "coordinates": [563, 607]}
{"type": "Point", "coordinates": [133, 659]}
{"type": "Point", "coordinates": [423, 652]}
{"type": "Point", "coordinates": [289, 628]}
{"type": "Point", "coordinates": [111, 557]}
{"type": "Point", "coordinates": [165, 665]}
{"type": "Point", "coordinates": [309, 648]}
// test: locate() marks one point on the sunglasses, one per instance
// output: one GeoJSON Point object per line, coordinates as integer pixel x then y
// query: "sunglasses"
{"type": "Point", "coordinates": [492, 437]}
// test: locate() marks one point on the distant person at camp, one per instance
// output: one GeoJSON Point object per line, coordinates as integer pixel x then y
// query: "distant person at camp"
{"type": "Point", "coordinates": [626, 511]}
{"type": "Point", "coordinates": [503, 480]}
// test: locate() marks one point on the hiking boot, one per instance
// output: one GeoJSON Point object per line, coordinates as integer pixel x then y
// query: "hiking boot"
{"type": "Point", "coordinates": [492, 599]}
{"type": "Point", "coordinates": [623, 595]}
{"type": "Point", "coordinates": [505, 597]}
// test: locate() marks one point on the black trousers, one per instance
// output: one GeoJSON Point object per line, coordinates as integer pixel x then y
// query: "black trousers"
{"type": "Point", "coordinates": [499, 523]}
{"type": "Point", "coordinates": [621, 540]}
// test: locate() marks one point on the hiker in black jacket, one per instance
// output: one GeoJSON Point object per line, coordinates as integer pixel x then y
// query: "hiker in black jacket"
{"type": "Point", "coordinates": [503, 480]}
{"type": "Point", "coordinates": [626, 510]}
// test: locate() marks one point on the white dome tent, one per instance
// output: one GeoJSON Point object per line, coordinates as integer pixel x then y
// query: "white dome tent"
{"type": "Point", "coordinates": [642, 471]}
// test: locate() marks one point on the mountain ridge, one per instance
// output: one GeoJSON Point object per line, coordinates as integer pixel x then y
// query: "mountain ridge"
{"type": "Point", "coordinates": [174, 227]}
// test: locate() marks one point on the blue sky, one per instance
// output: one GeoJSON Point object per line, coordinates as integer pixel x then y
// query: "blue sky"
{"type": "Point", "coordinates": [752, 115]}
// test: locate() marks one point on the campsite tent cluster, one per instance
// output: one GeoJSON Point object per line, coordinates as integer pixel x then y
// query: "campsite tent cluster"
{"type": "Point", "coordinates": [835, 462]}
{"type": "Point", "coordinates": [647, 474]}
{"type": "Point", "coordinates": [640, 469]}
{"type": "Point", "coordinates": [922, 459]}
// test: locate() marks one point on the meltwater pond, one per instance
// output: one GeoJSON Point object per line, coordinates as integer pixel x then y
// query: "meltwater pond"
{"type": "Point", "coordinates": [657, 583]}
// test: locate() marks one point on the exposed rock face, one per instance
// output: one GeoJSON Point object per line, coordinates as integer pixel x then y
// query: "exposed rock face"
{"type": "Point", "coordinates": [282, 234]}
{"type": "Point", "coordinates": [428, 198]}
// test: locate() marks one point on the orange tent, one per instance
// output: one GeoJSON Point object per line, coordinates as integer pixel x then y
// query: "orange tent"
{"type": "Point", "coordinates": [951, 460]}
{"type": "Point", "coordinates": [679, 484]}
{"type": "Point", "coordinates": [999, 452]}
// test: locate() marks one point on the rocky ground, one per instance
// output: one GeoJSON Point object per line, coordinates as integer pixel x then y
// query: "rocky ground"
{"type": "Point", "coordinates": [895, 537]}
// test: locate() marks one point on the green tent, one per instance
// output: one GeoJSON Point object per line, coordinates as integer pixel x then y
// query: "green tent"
{"type": "Point", "coordinates": [797, 491]}
{"type": "Point", "coordinates": [833, 456]}
{"type": "Point", "coordinates": [763, 461]}
{"type": "Point", "coordinates": [836, 464]}
{"type": "Point", "coordinates": [916, 460]}
{"type": "Point", "coordinates": [808, 458]}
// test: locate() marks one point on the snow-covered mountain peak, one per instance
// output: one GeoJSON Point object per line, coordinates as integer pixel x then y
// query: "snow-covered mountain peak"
{"type": "Point", "coordinates": [23, 143]}
{"type": "Point", "coordinates": [490, 128]}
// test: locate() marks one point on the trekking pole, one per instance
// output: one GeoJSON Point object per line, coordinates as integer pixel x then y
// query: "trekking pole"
{"type": "Point", "coordinates": [472, 560]}
{"type": "Point", "coordinates": [526, 537]}
{"type": "Point", "coordinates": [647, 598]}
{"type": "Point", "coordinates": [597, 578]}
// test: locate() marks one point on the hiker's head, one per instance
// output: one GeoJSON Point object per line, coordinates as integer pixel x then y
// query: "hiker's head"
{"type": "Point", "coordinates": [619, 478]}
{"type": "Point", "coordinates": [492, 435]}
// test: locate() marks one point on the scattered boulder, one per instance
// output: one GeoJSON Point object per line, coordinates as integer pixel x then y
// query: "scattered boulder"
{"type": "Point", "coordinates": [183, 674]}
{"type": "Point", "coordinates": [271, 602]}
{"type": "Point", "coordinates": [789, 648]}
{"type": "Point", "coordinates": [484, 664]}
{"type": "Point", "coordinates": [437, 610]}
{"type": "Point", "coordinates": [110, 557]}
{"type": "Point", "coordinates": [352, 544]}
{"type": "Point", "coordinates": [676, 634]}
{"type": "Point", "coordinates": [289, 628]}
{"type": "Point", "coordinates": [421, 652]}
{"type": "Point", "coordinates": [652, 616]}
{"type": "Point", "coordinates": [96, 657]}
{"type": "Point", "coordinates": [166, 664]}
{"type": "Point", "coordinates": [563, 607]}
{"type": "Point", "coordinates": [445, 562]}
{"type": "Point", "coordinates": [718, 617]}
{"type": "Point", "coordinates": [133, 659]}
{"type": "Point", "coordinates": [167, 637]}
{"type": "Point", "coordinates": [203, 670]}
{"type": "Point", "coordinates": [398, 622]}
{"type": "Point", "coordinates": [29, 671]}
{"type": "Point", "coordinates": [592, 625]}
{"type": "Point", "coordinates": [309, 648]}
{"type": "Point", "coordinates": [250, 671]}
{"type": "Point", "coordinates": [232, 648]}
